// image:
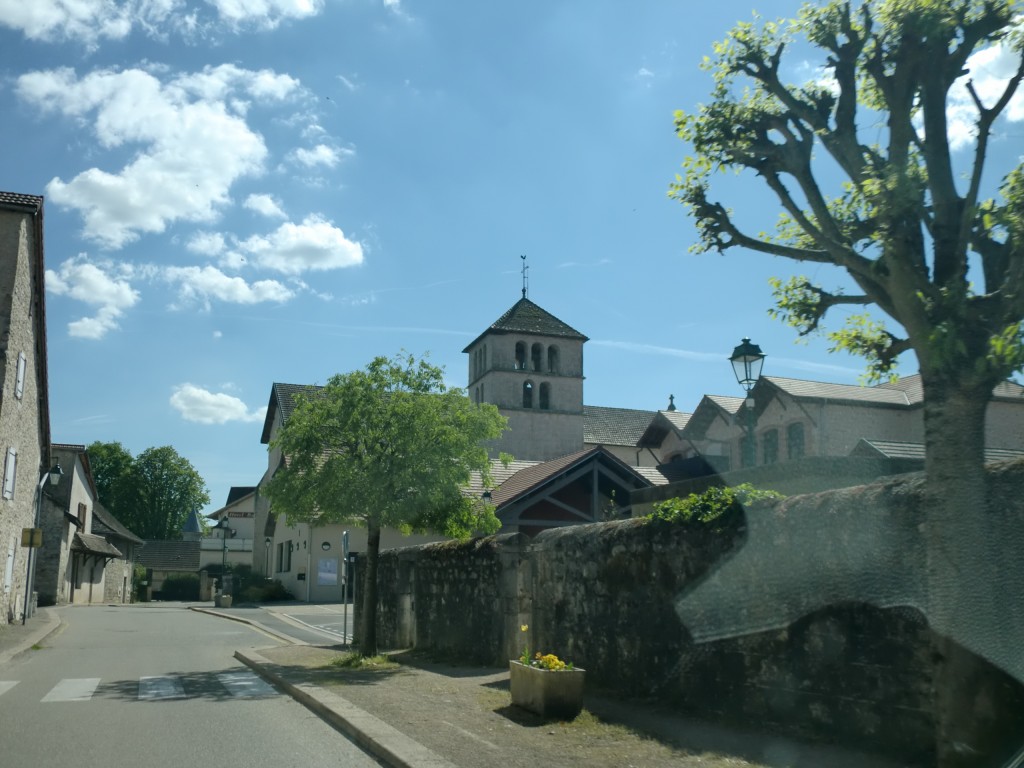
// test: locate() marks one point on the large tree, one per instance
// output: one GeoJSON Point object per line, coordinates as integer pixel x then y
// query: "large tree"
{"type": "Point", "coordinates": [862, 163]}
{"type": "Point", "coordinates": [152, 493]}
{"type": "Point", "coordinates": [387, 446]}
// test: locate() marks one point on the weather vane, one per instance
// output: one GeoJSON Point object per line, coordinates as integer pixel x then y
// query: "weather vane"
{"type": "Point", "coordinates": [526, 278]}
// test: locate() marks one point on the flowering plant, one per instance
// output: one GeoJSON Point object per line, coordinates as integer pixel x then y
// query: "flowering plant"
{"type": "Point", "coordinates": [540, 660]}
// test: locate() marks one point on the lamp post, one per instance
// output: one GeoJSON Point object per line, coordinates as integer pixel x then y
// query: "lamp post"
{"type": "Point", "coordinates": [35, 539]}
{"type": "Point", "coordinates": [266, 556]}
{"type": "Point", "coordinates": [225, 529]}
{"type": "Point", "coordinates": [747, 360]}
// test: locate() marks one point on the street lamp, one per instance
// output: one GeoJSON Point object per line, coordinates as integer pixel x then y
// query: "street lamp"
{"type": "Point", "coordinates": [747, 360]}
{"type": "Point", "coordinates": [36, 538]}
{"type": "Point", "coordinates": [266, 555]}
{"type": "Point", "coordinates": [222, 526]}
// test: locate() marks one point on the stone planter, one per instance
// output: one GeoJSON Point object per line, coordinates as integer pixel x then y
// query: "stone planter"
{"type": "Point", "coordinates": [222, 601]}
{"type": "Point", "coordinates": [546, 693]}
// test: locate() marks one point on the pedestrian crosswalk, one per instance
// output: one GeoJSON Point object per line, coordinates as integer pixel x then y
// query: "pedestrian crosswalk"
{"type": "Point", "coordinates": [239, 684]}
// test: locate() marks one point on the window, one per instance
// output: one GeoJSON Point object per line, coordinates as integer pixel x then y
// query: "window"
{"type": "Point", "coordinates": [19, 382]}
{"type": "Point", "coordinates": [528, 394]}
{"type": "Point", "coordinates": [553, 359]}
{"type": "Point", "coordinates": [545, 396]}
{"type": "Point", "coordinates": [10, 471]}
{"type": "Point", "coordinates": [536, 353]}
{"type": "Point", "coordinates": [770, 446]}
{"type": "Point", "coordinates": [795, 440]}
{"type": "Point", "coordinates": [521, 355]}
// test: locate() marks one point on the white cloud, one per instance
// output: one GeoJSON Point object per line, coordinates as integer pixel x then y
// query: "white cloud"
{"type": "Point", "coordinates": [86, 20]}
{"type": "Point", "coordinates": [204, 407]}
{"type": "Point", "coordinates": [206, 283]}
{"type": "Point", "coordinates": [207, 243]}
{"type": "Point", "coordinates": [188, 136]}
{"type": "Point", "coordinates": [265, 14]}
{"type": "Point", "coordinates": [315, 244]}
{"type": "Point", "coordinates": [265, 205]}
{"type": "Point", "coordinates": [90, 21]}
{"type": "Point", "coordinates": [320, 155]}
{"type": "Point", "coordinates": [104, 286]}
{"type": "Point", "coordinates": [988, 70]}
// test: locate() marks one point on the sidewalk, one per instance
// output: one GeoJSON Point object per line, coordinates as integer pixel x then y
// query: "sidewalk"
{"type": "Point", "coordinates": [430, 715]}
{"type": "Point", "coordinates": [17, 638]}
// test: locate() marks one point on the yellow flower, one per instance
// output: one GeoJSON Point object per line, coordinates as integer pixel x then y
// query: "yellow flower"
{"type": "Point", "coordinates": [524, 627]}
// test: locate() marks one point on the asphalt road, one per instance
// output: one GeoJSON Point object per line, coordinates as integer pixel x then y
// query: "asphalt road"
{"type": "Point", "coordinates": [156, 686]}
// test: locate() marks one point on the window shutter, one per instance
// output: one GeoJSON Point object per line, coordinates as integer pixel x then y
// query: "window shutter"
{"type": "Point", "coordinates": [10, 471]}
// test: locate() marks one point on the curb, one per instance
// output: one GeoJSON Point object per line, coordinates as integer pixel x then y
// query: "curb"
{"type": "Point", "coordinates": [372, 734]}
{"type": "Point", "coordinates": [53, 623]}
{"type": "Point", "coordinates": [242, 620]}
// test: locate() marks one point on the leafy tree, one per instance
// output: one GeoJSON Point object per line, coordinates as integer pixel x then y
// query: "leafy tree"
{"type": "Point", "coordinates": [152, 493]}
{"type": "Point", "coordinates": [869, 182]}
{"type": "Point", "coordinates": [111, 465]}
{"type": "Point", "coordinates": [387, 446]}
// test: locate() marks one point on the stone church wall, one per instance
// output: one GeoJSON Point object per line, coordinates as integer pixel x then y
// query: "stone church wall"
{"type": "Point", "coordinates": [612, 598]}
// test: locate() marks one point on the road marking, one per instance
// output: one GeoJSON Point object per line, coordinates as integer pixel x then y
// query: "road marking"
{"type": "Point", "coordinates": [6, 685]}
{"type": "Point", "coordinates": [247, 684]}
{"type": "Point", "coordinates": [73, 689]}
{"type": "Point", "coordinates": [154, 688]}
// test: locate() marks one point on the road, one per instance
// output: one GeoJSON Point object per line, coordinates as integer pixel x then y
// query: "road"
{"type": "Point", "coordinates": [156, 686]}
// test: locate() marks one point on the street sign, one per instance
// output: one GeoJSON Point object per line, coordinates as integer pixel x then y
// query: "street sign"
{"type": "Point", "coordinates": [32, 537]}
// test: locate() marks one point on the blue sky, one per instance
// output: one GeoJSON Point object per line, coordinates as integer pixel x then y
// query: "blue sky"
{"type": "Point", "coordinates": [247, 191]}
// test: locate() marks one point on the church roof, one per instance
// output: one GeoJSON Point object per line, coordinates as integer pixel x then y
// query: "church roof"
{"type": "Point", "coordinates": [527, 317]}
{"type": "Point", "coordinates": [614, 426]}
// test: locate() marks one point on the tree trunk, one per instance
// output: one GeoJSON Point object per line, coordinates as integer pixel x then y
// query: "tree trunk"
{"type": "Point", "coordinates": [963, 555]}
{"type": "Point", "coordinates": [368, 640]}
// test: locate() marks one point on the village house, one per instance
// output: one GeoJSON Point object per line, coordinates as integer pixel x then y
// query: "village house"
{"type": "Point", "coordinates": [24, 399]}
{"type": "Point", "coordinates": [87, 556]}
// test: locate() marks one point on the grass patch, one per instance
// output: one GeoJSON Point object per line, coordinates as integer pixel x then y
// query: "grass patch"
{"type": "Point", "coordinates": [356, 662]}
{"type": "Point", "coordinates": [37, 647]}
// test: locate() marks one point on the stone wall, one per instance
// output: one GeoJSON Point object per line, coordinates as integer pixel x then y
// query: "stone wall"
{"type": "Point", "coordinates": [623, 600]}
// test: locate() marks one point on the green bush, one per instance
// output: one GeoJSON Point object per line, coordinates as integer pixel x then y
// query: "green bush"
{"type": "Point", "coordinates": [712, 504]}
{"type": "Point", "coordinates": [265, 592]}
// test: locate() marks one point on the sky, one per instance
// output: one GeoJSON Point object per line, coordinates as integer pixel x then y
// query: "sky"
{"type": "Point", "coordinates": [242, 192]}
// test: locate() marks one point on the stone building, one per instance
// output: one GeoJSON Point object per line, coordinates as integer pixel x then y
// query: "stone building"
{"type": "Point", "coordinates": [24, 403]}
{"type": "Point", "coordinates": [87, 554]}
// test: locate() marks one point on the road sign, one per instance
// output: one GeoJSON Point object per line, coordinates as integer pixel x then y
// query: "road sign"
{"type": "Point", "coordinates": [32, 537]}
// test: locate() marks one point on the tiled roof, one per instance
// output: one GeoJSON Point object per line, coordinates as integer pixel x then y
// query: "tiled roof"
{"type": "Point", "coordinates": [239, 492]}
{"type": "Point", "coordinates": [679, 419]}
{"type": "Point", "coordinates": [94, 545]}
{"type": "Point", "coordinates": [850, 393]}
{"type": "Point", "coordinates": [499, 474]}
{"type": "Point", "coordinates": [614, 426]}
{"type": "Point", "coordinates": [892, 449]}
{"type": "Point", "coordinates": [282, 396]}
{"type": "Point", "coordinates": [170, 556]}
{"type": "Point", "coordinates": [531, 477]}
{"type": "Point", "coordinates": [106, 523]}
{"type": "Point", "coordinates": [16, 200]}
{"type": "Point", "coordinates": [527, 317]}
